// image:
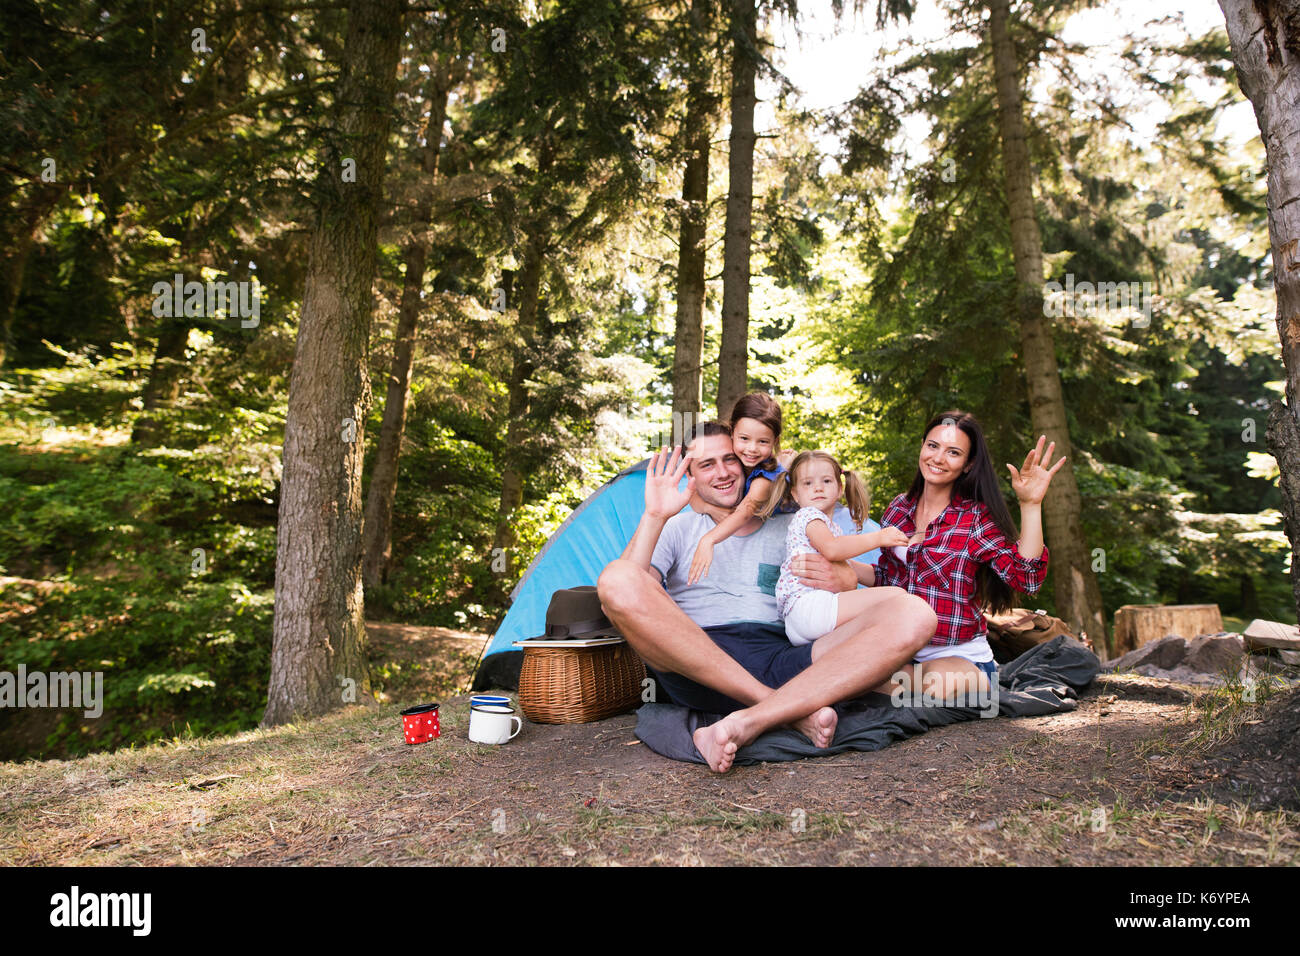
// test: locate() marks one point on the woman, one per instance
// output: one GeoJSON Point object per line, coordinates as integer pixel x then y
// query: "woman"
{"type": "Point", "coordinates": [963, 553]}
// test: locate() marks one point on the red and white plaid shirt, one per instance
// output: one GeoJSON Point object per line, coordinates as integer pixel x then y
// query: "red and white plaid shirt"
{"type": "Point", "coordinates": [942, 567]}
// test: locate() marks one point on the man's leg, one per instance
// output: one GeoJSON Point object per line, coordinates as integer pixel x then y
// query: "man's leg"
{"type": "Point", "coordinates": [887, 636]}
{"type": "Point", "coordinates": [857, 610]}
{"type": "Point", "coordinates": [669, 641]}
{"type": "Point", "coordinates": [666, 638]}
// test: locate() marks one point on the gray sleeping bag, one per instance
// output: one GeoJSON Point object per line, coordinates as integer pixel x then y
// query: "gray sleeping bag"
{"type": "Point", "coordinates": [1044, 680]}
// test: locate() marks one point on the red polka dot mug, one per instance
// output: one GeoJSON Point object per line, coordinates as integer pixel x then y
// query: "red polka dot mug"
{"type": "Point", "coordinates": [420, 724]}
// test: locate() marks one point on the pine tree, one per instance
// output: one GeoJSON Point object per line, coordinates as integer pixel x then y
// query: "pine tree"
{"type": "Point", "coordinates": [701, 102]}
{"type": "Point", "coordinates": [578, 98]}
{"type": "Point", "coordinates": [733, 359]}
{"type": "Point", "coordinates": [1078, 599]}
{"type": "Point", "coordinates": [319, 630]}
{"type": "Point", "coordinates": [446, 73]}
{"type": "Point", "coordinates": [1265, 39]}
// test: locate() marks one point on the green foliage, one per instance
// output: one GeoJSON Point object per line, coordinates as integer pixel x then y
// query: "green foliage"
{"type": "Point", "coordinates": [1157, 410]}
{"type": "Point", "coordinates": [176, 654]}
{"type": "Point", "coordinates": [181, 637]}
{"type": "Point", "coordinates": [882, 291]}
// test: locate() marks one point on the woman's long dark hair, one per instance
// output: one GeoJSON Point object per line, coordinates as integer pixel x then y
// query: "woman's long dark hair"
{"type": "Point", "coordinates": [978, 482]}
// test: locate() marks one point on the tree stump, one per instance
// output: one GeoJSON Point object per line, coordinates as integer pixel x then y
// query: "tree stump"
{"type": "Point", "coordinates": [1138, 624]}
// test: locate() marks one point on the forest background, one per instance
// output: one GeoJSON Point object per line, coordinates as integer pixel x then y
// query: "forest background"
{"type": "Point", "coordinates": [535, 276]}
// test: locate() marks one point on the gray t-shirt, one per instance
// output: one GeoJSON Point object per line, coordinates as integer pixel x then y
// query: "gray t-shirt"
{"type": "Point", "coordinates": [741, 583]}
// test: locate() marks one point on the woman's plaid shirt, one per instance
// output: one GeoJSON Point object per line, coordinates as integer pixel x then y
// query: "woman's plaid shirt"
{"type": "Point", "coordinates": [942, 567]}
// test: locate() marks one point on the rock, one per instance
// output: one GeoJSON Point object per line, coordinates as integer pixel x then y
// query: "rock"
{"type": "Point", "coordinates": [1179, 675]}
{"type": "Point", "coordinates": [1290, 657]}
{"type": "Point", "coordinates": [1216, 654]}
{"type": "Point", "coordinates": [1273, 634]}
{"type": "Point", "coordinates": [1206, 660]}
{"type": "Point", "coordinates": [1258, 664]}
{"type": "Point", "coordinates": [1260, 668]}
{"type": "Point", "coordinates": [1164, 654]}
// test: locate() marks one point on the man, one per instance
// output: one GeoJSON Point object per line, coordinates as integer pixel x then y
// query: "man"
{"type": "Point", "coordinates": [739, 662]}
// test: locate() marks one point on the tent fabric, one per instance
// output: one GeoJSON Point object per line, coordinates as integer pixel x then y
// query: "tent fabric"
{"type": "Point", "coordinates": [1046, 679]}
{"type": "Point", "coordinates": [594, 535]}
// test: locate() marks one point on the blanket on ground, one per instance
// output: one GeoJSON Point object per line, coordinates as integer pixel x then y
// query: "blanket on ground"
{"type": "Point", "coordinates": [1044, 680]}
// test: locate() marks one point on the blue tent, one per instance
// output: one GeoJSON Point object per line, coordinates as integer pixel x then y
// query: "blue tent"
{"type": "Point", "coordinates": [594, 535]}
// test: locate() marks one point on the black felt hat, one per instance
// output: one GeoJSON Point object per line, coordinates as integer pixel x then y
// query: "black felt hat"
{"type": "Point", "coordinates": [576, 612]}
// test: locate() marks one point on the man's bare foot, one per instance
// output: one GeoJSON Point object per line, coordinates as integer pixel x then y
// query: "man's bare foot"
{"type": "Point", "coordinates": [718, 743]}
{"type": "Point", "coordinates": [819, 726]}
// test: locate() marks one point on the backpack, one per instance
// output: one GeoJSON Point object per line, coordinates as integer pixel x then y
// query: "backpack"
{"type": "Point", "coordinates": [1016, 631]}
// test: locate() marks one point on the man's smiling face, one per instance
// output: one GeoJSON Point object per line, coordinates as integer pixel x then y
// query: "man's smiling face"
{"type": "Point", "coordinates": [719, 477]}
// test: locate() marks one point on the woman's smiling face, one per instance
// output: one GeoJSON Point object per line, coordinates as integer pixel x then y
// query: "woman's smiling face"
{"type": "Point", "coordinates": [753, 442]}
{"type": "Point", "coordinates": [944, 454]}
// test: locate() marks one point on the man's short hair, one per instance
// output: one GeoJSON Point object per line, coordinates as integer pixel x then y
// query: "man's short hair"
{"type": "Point", "coordinates": [703, 430]}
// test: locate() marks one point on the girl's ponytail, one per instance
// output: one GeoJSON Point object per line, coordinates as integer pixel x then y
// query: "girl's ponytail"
{"type": "Point", "coordinates": [859, 501]}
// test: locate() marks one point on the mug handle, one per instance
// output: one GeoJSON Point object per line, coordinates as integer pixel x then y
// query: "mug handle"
{"type": "Point", "coordinates": [521, 727]}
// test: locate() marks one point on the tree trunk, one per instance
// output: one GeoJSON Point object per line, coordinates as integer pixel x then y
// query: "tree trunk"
{"type": "Point", "coordinates": [318, 659]}
{"type": "Point", "coordinates": [688, 349]}
{"type": "Point", "coordinates": [512, 481]}
{"type": "Point", "coordinates": [383, 475]}
{"type": "Point", "coordinates": [12, 267]}
{"type": "Point", "coordinates": [1139, 624]}
{"type": "Point", "coordinates": [167, 372]}
{"type": "Point", "coordinates": [164, 385]}
{"type": "Point", "coordinates": [1265, 40]}
{"type": "Point", "coordinates": [1078, 598]}
{"type": "Point", "coordinates": [734, 356]}
{"type": "Point", "coordinates": [1249, 596]}
{"type": "Point", "coordinates": [15, 249]}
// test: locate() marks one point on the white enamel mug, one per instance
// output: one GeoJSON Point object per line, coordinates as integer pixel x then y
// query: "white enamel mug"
{"type": "Point", "coordinates": [490, 724]}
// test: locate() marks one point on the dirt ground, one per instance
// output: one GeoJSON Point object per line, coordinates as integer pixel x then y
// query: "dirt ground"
{"type": "Point", "coordinates": [1262, 763]}
{"type": "Point", "coordinates": [1128, 778]}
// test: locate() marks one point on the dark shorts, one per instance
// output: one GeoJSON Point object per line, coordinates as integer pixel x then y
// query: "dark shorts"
{"type": "Point", "coordinates": [762, 649]}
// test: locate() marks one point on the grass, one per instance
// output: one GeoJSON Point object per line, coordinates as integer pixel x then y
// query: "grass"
{"type": "Point", "coordinates": [341, 790]}
{"type": "Point", "coordinates": [302, 780]}
{"type": "Point", "coordinates": [1215, 715]}
{"type": "Point", "coordinates": [1168, 833]}
{"type": "Point", "coordinates": [415, 680]}
{"type": "Point", "coordinates": [1025, 749]}
{"type": "Point", "coordinates": [714, 818]}
{"type": "Point", "coordinates": [337, 790]}
{"type": "Point", "coordinates": [1221, 713]}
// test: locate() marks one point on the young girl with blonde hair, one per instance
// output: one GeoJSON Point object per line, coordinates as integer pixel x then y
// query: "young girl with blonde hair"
{"type": "Point", "coordinates": [816, 484]}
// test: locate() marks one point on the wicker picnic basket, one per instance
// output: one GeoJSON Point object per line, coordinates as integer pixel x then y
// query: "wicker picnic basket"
{"type": "Point", "coordinates": [576, 685]}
